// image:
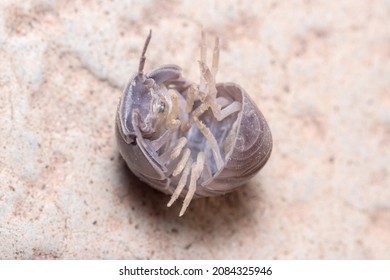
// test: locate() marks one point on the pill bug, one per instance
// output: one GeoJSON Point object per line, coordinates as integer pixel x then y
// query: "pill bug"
{"type": "Point", "coordinates": [190, 140]}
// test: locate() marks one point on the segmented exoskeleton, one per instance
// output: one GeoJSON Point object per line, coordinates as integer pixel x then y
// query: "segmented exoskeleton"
{"type": "Point", "coordinates": [188, 139]}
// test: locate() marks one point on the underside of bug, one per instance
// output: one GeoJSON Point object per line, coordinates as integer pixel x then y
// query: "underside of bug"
{"type": "Point", "coordinates": [188, 139]}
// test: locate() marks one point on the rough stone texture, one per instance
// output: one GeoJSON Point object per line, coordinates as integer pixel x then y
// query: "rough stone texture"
{"type": "Point", "coordinates": [319, 71]}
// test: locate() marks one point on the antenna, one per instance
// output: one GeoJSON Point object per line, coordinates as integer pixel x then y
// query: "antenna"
{"type": "Point", "coordinates": [143, 58]}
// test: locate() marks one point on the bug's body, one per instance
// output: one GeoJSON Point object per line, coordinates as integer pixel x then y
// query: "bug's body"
{"type": "Point", "coordinates": [187, 139]}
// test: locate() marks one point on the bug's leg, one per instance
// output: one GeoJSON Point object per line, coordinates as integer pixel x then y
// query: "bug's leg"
{"type": "Point", "coordinates": [161, 141]}
{"type": "Point", "coordinates": [197, 169]}
{"type": "Point", "coordinates": [207, 93]}
{"type": "Point", "coordinates": [178, 148]}
{"type": "Point", "coordinates": [220, 114]}
{"type": "Point", "coordinates": [192, 95]}
{"type": "Point", "coordinates": [181, 184]}
{"type": "Point", "coordinates": [207, 80]}
{"type": "Point", "coordinates": [203, 60]}
{"type": "Point", "coordinates": [197, 112]}
{"type": "Point", "coordinates": [171, 121]}
{"type": "Point", "coordinates": [192, 92]}
{"type": "Point", "coordinates": [203, 48]}
{"type": "Point", "coordinates": [211, 98]}
{"type": "Point", "coordinates": [182, 163]}
{"type": "Point", "coordinates": [208, 88]}
{"type": "Point", "coordinates": [214, 67]}
{"type": "Point", "coordinates": [172, 153]}
{"type": "Point", "coordinates": [212, 141]}
{"type": "Point", "coordinates": [194, 115]}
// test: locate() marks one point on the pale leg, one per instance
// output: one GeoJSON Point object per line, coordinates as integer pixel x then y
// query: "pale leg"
{"type": "Point", "coordinates": [181, 184]}
{"type": "Point", "coordinates": [179, 147]}
{"type": "Point", "coordinates": [203, 48]}
{"type": "Point", "coordinates": [182, 163]}
{"type": "Point", "coordinates": [192, 91]}
{"type": "Point", "coordinates": [214, 67]}
{"type": "Point", "coordinates": [197, 169]}
{"type": "Point", "coordinates": [220, 114]}
{"type": "Point", "coordinates": [211, 97]}
{"type": "Point", "coordinates": [161, 141]}
{"type": "Point", "coordinates": [172, 122]}
{"type": "Point", "coordinates": [203, 59]}
{"type": "Point", "coordinates": [212, 141]}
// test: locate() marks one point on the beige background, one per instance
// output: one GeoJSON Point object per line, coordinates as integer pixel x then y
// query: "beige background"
{"type": "Point", "coordinates": [319, 71]}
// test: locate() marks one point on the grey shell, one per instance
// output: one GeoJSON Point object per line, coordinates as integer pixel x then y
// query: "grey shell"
{"type": "Point", "coordinates": [187, 139]}
{"type": "Point", "coordinates": [251, 149]}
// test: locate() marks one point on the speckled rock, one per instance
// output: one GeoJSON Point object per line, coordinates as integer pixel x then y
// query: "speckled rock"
{"type": "Point", "coordinates": [319, 71]}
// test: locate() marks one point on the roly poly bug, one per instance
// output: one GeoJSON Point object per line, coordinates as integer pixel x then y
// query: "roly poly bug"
{"type": "Point", "coordinates": [186, 139]}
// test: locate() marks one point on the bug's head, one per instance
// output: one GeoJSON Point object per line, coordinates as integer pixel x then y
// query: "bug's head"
{"type": "Point", "coordinates": [144, 104]}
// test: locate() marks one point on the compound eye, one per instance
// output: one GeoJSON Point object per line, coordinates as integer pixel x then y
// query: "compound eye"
{"type": "Point", "coordinates": [159, 107]}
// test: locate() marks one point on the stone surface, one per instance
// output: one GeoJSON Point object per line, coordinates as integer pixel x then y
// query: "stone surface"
{"type": "Point", "coordinates": [319, 71]}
